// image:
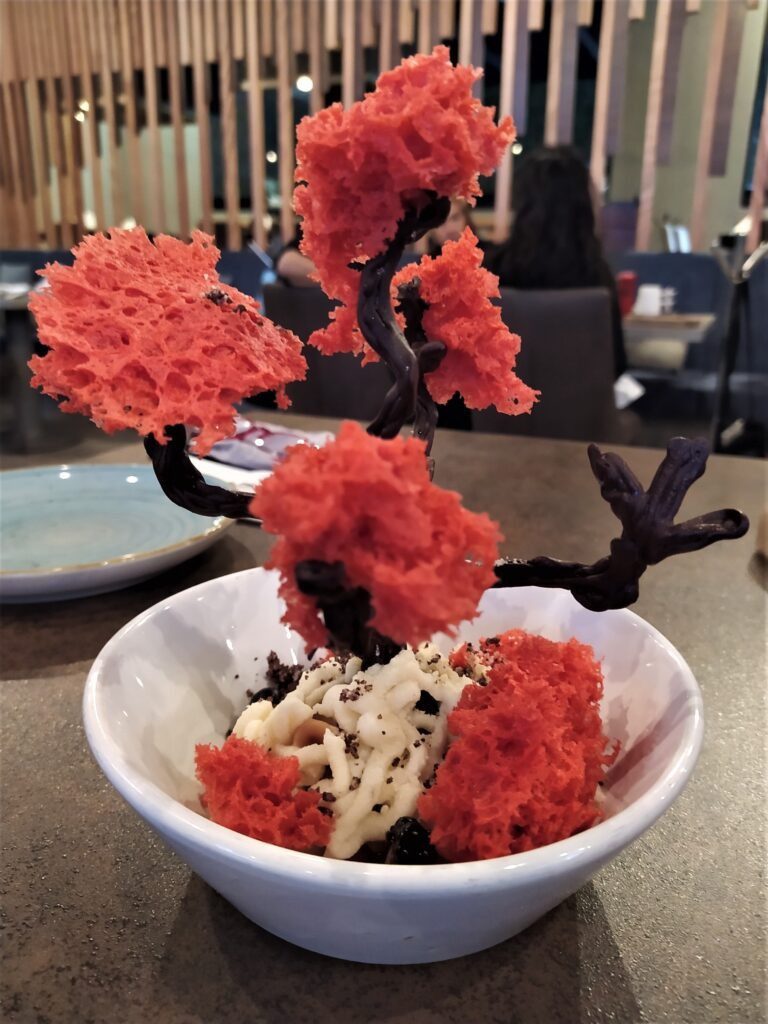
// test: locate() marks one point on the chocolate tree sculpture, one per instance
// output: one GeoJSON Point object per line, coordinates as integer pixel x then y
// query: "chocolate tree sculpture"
{"type": "Point", "coordinates": [371, 553]}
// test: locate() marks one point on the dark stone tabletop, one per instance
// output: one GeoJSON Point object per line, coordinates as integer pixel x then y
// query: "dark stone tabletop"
{"type": "Point", "coordinates": [101, 923]}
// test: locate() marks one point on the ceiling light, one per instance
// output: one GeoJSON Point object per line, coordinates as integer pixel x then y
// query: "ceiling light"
{"type": "Point", "coordinates": [517, 149]}
{"type": "Point", "coordinates": [271, 156]}
{"type": "Point", "coordinates": [304, 83]}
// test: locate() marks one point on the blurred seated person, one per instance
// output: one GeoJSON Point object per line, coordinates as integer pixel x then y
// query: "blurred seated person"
{"type": "Point", "coordinates": [553, 242]}
{"type": "Point", "coordinates": [292, 266]}
{"type": "Point", "coordinates": [451, 229]}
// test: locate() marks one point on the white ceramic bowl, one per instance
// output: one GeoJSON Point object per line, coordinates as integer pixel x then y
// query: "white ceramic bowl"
{"type": "Point", "coordinates": [176, 676]}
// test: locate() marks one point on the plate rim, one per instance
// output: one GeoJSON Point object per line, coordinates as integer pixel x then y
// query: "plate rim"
{"type": "Point", "coordinates": [219, 524]}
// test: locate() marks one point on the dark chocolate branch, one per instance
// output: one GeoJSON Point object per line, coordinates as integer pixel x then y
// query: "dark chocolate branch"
{"type": "Point", "coordinates": [429, 355]}
{"type": "Point", "coordinates": [376, 316]}
{"type": "Point", "coordinates": [649, 533]}
{"type": "Point", "coordinates": [185, 485]}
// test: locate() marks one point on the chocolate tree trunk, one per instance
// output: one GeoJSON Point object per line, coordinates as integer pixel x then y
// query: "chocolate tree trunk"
{"type": "Point", "coordinates": [376, 315]}
{"type": "Point", "coordinates": [185, 485]}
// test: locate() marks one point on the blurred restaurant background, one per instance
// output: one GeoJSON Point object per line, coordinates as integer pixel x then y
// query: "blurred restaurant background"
{"type": "Point", "coordinates": [180, 115]}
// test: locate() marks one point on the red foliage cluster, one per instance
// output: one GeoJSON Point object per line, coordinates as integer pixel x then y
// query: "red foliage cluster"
{"type": "Point", "coordinates": [527, 754]}
{"type": "Point", "coordinates": [370, 504]}
{"type": "Point", "coordinates": [482, 351]}
{"type": "Point", "coordinates": [253, 791]}
{"type": "Point", "coordinates": [421, 129]}
{"type": "Point", "coordinates": [143, 335]}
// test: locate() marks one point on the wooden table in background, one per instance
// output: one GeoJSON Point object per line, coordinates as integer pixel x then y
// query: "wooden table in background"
{"type": "Point", "coordinates": [661, 342]}
{"type": "Point", "coordinates": [104, 924]}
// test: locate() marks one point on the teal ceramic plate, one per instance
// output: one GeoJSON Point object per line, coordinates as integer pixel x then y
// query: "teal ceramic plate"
{"type": "Point", "coordinates": [69, 531]}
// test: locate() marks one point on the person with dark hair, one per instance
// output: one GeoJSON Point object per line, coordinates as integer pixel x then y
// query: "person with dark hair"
{"type": "Point", "coordinates": [554, 242]}
{"type": "Point", "coordinates": [452, 228]}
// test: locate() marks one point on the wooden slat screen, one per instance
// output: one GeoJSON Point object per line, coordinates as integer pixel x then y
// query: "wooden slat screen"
{"type": "Point", "coordinates": [657, 96]}
{"type": "Point", "coordinates": [609, 90]}
{"type": "Point", "coordinates": [107, 109]}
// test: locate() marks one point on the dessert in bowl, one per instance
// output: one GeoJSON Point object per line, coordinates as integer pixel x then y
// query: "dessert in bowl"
{"type": "Point", "coordinates": [177, 675]}
{"type": "Point", "coordinates": [500, 789]}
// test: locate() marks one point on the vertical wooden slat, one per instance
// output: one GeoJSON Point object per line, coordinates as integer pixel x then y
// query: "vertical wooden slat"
{"type": "Point", "coordinates": [331, 24]}
{"type": "Point", "coordinates": [256, 119]}
{"type": "Point", "coordinates": [712, 86]}
{"type": "Point", "coordinates": [157, 28]}
{"type": "Point", "coordinates": [267, 32]}
{"type": "Point", "coordinates": [285, 132]}
{"type": "Point", "coordinates": [446, 19]}
{"type": "Point", "coordinates": [406, 22]}
{"type": "Point", "coordinates": [561, 73]}
{"type": "Point", "coordinates": [469, 16]}
{"type": "Point", "coordinates": [587, 12]}
{"type": "Point", "coordinates": [367, 23]}
{"type": "Point", "coordinates": [107, 31]}
{"type": "Point", "coordinates": [152, 114]}
{"type": "Point", "coordinates": [28, 40]}
{"type": "Point", "coordinates": [317, 58]}
{"type": "Point", "coordinates": [51, 123]}
{"type": "Point", "coordinates": [85, 14]}
{"type": "Point", "coordinates": [653, 116]}
{"type": "Point", "coordinates": [24, 143]}
{"type": "Point", "coordinates": [54, 133]}
{"type": "Point", "coordinates": [471, 39]}
{"type": "Point", "coordinates": [726, 94]}
{"type": "Point", "coordinates": [72, 148]}
{"type": "Point", "coordinates": [185, 40]}
{"type": "Point", "coordinates": [426, 25]}
{"type": "Point", "coordinates": [228, 127]}
{"type": "Point", "coordinates": [19, 227]}
{"type": "Point", "coordinates": [137, 35]}
{"type": "Point", "coordinates": [389, 46]}
{"type": "Point", "coordinates": [135, 192]}
{"type": "Point", "coordinates": [238, 30]}
{"type": "Point", "coordinates": [535, 15]}
{"type": "Point", "coordinates": [209, 22]}
{"type": "Point", "coordinates": [490, 17]}
{"type": "Point", "coordinates": [299, 26]}
{"type": "Point", "coordinates": [58, 130]}
{"type": "Point", "coordinates": [22, 203]}
{"type": "Point", "coordinates": [39, 180]}
{"type": "Point", "coordinates": [351, 54]}
{"type": "Point", "coordinates": [759, 181]}
{"type": "Point", "coordinates": [669, 86]}
{"type": "Point", "coordinates": [512, 95]}
{"type": "Point", "coordinates": [7, 208]}
{"type": "Point", "coordinates": [692, 6]}
{"type": "Point", "coordinates": [636, 10]}
{"type": "Point", "coordinates": [202, 113]}
{"type": "Point", "coordinates": [609, 86]}
{"type": "Point", "coordinates": [34, 63]}
{"type": "Point", "coordinates": [175, 84]}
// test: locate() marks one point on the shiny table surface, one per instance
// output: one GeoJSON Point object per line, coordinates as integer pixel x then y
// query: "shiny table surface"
{"type": "Point", "coordinates": [102, 923]}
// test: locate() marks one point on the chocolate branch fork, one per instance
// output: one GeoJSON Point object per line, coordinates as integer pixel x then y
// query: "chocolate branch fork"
{"type": "Point", "coordinates": [648, 535]}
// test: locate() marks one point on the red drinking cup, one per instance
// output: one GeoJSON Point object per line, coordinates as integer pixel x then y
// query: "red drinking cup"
{"type": "Point", "coordinates": [626, 285]}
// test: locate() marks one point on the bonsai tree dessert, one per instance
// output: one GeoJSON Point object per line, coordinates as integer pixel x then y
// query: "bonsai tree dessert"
{"type": "Point", "coordinates": [144, 335]}
{"type": "Point", "coordinates": [385, 746]}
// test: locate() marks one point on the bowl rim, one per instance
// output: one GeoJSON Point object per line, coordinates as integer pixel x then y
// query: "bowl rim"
{"type": "Point", "coordinates": [191, 828]}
